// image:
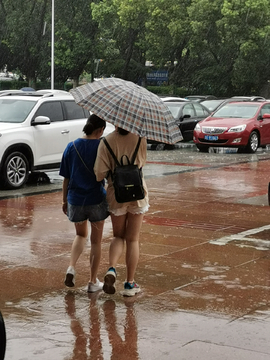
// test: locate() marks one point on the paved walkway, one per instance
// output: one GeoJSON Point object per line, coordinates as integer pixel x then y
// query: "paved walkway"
{"type": "Point", "coordinates": [204, 270]}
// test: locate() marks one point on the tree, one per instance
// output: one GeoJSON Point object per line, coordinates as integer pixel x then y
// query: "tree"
{"type": "Point", "coordinates": [4, 51]}
{"type": "Point", "coordinates": [228, 41]}
{"type": "Point", "coordinates": [217, 46]}
{"type": "Point", "coordinates": [168, 37]}
{"type": "Point", "coordinates": [25, 38]}
{"type": "Point", "coordinates": [75, 39]}
{"type": "Point", "coordinates": [247, 25]}
{"type": "Point", "coordinates": [122, 27]}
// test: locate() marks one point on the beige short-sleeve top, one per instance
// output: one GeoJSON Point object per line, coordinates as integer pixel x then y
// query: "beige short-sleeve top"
{"type": "Point", "coordinates": [121, 145]}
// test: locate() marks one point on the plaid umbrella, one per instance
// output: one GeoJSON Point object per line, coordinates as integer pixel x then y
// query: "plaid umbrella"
{"type": "Point", "coordinates": [130, 107]}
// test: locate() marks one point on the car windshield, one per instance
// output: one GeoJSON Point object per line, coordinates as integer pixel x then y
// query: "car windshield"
{"type": "Point", "coordinates": [174, 108]}
{"type": "Point", "coordinates": [211, 104]}
{"type": "Point", "coordinates": [234, 110]}
{"type": "Point", "coordinates": [15, 111]}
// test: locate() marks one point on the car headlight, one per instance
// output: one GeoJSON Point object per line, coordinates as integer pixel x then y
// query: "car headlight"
{"type": "Point", "coordinates": [238, 128]}
{"type": "Point", "coordinates": [197, 127]}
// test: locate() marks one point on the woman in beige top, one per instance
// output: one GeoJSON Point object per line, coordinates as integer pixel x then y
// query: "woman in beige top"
{"type": "Point", "coordinates": [126, 217]}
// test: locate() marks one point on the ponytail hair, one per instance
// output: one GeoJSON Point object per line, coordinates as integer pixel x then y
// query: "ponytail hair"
{"type": "Point", "coordinates": [122, 131]}
{"type": "Point", "coordinates": [93, 123]}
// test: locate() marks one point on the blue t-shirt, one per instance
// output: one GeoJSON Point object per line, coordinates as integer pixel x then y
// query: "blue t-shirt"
{"type": "Point", "coordinates": [83, 188]}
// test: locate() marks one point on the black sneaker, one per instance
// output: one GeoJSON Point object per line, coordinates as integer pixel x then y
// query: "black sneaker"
{"type": "Point", "coordinates": [70, 277]}
{"type": "Point", "coordinates": [109, 280]}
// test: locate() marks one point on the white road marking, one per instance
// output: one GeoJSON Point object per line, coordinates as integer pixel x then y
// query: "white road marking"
{"type": "Point", "coordinates": [243, 240]}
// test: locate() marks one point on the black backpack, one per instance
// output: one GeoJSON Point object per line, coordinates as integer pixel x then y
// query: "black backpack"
{"type": "Point", "coordinates": [127, 179]}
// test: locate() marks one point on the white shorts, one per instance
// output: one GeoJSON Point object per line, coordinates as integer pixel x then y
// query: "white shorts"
{"type": "Point", "coordinates": [135, 210]}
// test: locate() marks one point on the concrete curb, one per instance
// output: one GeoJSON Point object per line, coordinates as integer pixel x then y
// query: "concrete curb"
{"type": "Point", "coordinates": [161, 146]}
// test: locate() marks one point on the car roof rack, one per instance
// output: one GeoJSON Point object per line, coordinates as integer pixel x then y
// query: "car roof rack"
{"type": "Point", "coordinates": [21, 93]}
{"type": "Point", "coordinates": [40, 94]}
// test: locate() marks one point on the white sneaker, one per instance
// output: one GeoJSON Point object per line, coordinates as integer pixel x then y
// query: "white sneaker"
{"type": "Point", "coordinates": [131, 289]}
{"type": "Point", "coordinates": [95, 287]}
{"type": "Point", "coordinates": [70, 277]}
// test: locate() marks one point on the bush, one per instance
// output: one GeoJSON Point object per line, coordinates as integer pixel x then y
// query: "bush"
{"type": "Point", "coordinates": [12, 85]}
{"type": "Point", "coordinates": [169, 90]}
{"type": "Point", "coordinates": [17, 85]}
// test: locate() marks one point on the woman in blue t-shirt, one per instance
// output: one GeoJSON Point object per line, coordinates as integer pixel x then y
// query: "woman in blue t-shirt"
{"type": "Point", "coordinates": [84, 198]}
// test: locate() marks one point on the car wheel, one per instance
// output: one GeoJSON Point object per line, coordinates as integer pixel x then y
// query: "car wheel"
{"type": "Point", "coordinates": [253, 142]}
{"type": "Point", "coordinates": [15, 171]}
{"type": "Point", "coordinates": [169, 147]}
{"type": "Point", "coordinates": [202, 148]}
{"type": "Point", "coordinates": [160, 146]}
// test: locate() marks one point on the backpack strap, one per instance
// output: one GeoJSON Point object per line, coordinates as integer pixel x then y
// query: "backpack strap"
{"type": "Point", "coordinates": [91, 172]}
{"type": "Point", "coordinates": [111, 152]}
{"type": "Point", "coordinates": [136, 151]}
{"type": "Point", "coordinates": [115, 158]}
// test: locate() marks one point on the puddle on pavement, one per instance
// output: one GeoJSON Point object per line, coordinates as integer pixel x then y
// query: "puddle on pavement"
{"type": "Point", "coordinates": [193, 287]}
{"type": "Point", "coordinates": [71, 325]}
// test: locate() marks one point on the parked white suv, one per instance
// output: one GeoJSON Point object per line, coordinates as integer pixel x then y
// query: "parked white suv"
{"type": "Point", "coordinates": [34, 131]}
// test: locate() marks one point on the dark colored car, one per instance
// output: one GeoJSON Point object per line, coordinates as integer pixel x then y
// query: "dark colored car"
{"type": "Point", "coordinates": [243, 125]}
{"type": "Point", "coordinates": [187, 114]}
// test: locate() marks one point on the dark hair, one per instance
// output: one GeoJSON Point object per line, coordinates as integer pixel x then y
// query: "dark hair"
{"type": "Point", "coordinates": [122, 131]}
{"type": "Point", "coordinates": [93, 123]}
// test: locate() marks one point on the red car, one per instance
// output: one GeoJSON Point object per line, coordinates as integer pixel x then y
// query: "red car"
{"type": "Point", "coordinates": [244, 125]}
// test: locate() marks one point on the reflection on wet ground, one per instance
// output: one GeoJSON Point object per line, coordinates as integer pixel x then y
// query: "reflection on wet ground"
{"type": "Point", "coordinates": [204, 270]}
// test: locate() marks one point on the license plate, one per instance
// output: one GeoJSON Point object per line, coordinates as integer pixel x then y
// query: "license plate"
{"type": "Point", "coordinates": [210, 137]}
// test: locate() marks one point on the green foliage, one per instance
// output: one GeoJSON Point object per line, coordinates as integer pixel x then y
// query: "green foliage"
{"type": "Point", "coordinates": [16, 85]}
{"type": "Point", "coordinates": [208, 46]}
{"type": "Point", "coordinates": [169, 90]}
{"type": "Point", "coordinates": [122, 36]}
{"type": "Point", "coordinates": [24, 39]}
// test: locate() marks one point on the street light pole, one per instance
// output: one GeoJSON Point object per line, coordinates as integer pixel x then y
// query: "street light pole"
{"type": "Point", "coordinates": [52, 49]}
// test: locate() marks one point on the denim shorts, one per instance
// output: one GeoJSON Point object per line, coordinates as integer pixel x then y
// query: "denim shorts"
{"type": "Point", "coordinates": [93, 213]}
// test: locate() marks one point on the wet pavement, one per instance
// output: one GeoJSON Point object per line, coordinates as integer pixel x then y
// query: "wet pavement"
{"type": "Point", "coordinates": [204, 268]}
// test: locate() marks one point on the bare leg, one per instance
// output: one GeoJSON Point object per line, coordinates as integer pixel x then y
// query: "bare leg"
{"type": "Point", "coordinates": [134, 223]}
{"type": "Point", "coordinates": [116, 250]}
{"type": "Point", "coordinates": [118, 242]}
{"type": "Point", "coordinates": [79, 242]}
{"type": "Point", "coordinates": [76, 250]}
{"type": "Point", "coordinates": [95, 253]}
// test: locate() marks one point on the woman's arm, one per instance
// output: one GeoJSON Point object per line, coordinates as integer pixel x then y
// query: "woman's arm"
{"type": "Point", "coordinates": [142, 153]}
{"type": "Point", "coordinates": [65, 192]}
{"type": "Point", "coordinates": [102, 165]}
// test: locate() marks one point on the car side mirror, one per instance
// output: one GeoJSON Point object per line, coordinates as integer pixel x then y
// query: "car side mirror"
{"type": "Point", "coordinates": [266, 116]}
{"type": "Point", "coordinates": [41, 120]}
{"type": "Point", "coordinates": [186, 116]}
